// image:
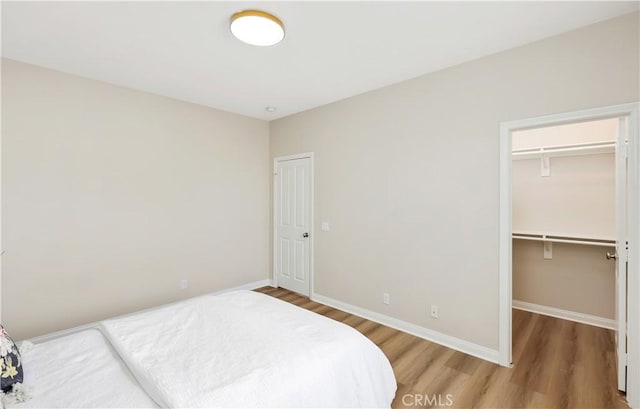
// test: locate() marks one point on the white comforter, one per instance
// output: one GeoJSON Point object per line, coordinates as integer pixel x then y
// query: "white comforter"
{"type": "Point", "coordinates": [79, 370]}
{"type": "Point", "coordinates": [245, 349]}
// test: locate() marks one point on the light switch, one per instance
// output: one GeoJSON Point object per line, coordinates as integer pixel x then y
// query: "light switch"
{"type": "Point", "coordinates": [325, 226]}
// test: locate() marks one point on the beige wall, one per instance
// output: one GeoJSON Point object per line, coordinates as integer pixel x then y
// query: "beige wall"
{"type": "Point", "coordinates": [407, 175]}
{"type": "Point", "coordinates": [578, 278]}
{"type": "Point", "coordinates": [112, 196]}
{"type": "Point", "coordinates": [577, 199]}
{"type": "Point", "coordinates": [604, 130]}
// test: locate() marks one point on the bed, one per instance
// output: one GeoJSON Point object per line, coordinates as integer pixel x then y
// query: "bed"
{"type": "Point", "coordinates": [239, 349]}
{"type": "Point", "coordinates": [79, 370]}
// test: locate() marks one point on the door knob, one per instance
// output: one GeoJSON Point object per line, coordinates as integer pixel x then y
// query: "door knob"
{"type": "Point", "coordinates": [305, 234]}
{"type": "Point", "coordinates": [611, 256]}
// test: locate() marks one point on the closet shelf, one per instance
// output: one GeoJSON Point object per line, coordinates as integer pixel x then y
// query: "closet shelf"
{"type": "Point", "coordinates": [565, 150]}
{"type": "Point", "coordinates": [565, 238]}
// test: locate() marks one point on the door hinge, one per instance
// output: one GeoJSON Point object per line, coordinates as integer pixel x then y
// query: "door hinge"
{"type": "Point", "coordinates": [624, 254]}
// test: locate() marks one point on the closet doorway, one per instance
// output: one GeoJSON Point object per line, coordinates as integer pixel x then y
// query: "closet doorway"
{"type": "Point", "coordinates": [569, 220]}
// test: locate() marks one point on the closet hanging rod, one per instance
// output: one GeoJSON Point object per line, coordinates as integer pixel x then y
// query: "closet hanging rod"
{"type": "Point", "coordinates": [568, 240]}
{"type": "Point", "coordinates": [565, 150]}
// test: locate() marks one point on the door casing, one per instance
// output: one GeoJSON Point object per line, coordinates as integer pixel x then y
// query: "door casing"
{"type": "Point", "coordinates": [630, 111]}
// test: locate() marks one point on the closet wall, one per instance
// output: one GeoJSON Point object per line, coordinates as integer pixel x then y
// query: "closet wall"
{"type": "Point", "coordinates": [577, 199]}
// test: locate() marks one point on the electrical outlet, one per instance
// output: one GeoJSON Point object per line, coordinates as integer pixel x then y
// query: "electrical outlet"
{"type": "Point", "coordinates": [385, 298]}
{"type": "Point", "coordinates": [183, 284]}
{"type": "Point", "coordinates": [434, 311]}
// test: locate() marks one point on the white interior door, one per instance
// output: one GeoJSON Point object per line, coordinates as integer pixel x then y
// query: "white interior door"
{"type": "Point", "coordinates": [293, 224]}
{"type": "Point", "coordinates": [621, 255]}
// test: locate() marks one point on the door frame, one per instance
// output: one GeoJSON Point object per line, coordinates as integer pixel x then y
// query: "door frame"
{"type": "Point", "coordinates": [629, 110]}
{"type": "Point", "coordinates": [274, 237]}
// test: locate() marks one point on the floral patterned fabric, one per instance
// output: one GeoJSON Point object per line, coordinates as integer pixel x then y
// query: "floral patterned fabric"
{"type": "Point", "coordinates": [10, 364]}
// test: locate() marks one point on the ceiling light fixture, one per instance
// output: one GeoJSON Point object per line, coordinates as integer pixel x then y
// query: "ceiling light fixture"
{"type": "Point", "coordinates": [257, 27]}
{"type": "Point", "coordinates": [270, 109]}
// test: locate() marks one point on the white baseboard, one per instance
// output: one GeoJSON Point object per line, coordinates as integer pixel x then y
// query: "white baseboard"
{"type": "Point", "coordinates": [565, 314]}
{"type": "Point", "coordinates": [249, 286]}
{"type": "Point", "coordinates": [458, 344]}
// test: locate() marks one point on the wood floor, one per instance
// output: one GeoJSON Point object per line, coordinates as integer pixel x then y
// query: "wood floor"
{"type": "Point", "coordinates": [557, 364]}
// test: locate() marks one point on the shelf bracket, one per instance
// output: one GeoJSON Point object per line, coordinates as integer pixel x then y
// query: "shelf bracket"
{"type": "Point", "coordinates": [547, 250]}
{"type": "Point", "coordinates": [545, 166]}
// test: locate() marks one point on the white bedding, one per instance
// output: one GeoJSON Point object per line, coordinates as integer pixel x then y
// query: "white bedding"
{"type": "Point", "coordinates": [79, 370]}
{"type": "Point", "coordinates": [245, 349]}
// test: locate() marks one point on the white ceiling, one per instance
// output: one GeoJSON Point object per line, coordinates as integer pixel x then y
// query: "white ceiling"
{"type": "Point", "coordinates": [332, 50]}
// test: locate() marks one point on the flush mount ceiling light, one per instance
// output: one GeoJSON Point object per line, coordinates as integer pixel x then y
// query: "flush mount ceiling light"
{"type": "Point", "coordinates": [257, 27]}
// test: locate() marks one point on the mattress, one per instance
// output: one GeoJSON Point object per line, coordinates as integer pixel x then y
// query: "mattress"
{"type": "Point", "coordinates": [80, 370]}
{"type": "Point", "coordinates": [245, 349]}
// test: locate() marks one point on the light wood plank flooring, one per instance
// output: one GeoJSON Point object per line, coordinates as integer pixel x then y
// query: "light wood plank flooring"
{"type": "Point", "coordinates": [557, 364]}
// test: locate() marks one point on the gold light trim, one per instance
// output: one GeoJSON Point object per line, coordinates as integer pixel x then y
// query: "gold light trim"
{"type": "Point", "coordinates": [271, 34]}
{"type": "Point", "coordinates": [257, 13]}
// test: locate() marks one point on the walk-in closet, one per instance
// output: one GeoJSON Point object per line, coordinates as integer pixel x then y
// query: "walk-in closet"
{"type": "Point", "coordinates": [564, 221]}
